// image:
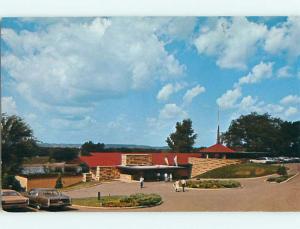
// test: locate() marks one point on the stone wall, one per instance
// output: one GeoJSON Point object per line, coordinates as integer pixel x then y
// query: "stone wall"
{"type": "Point", "coordinates": [202, 165]}
{"type": "Point", "coordinates": [107, 172]}
{"type": "Point", "coordinates": [47, 181]}
{"type": "Point", "coordinates": [136, 159]}
{"type": "Point", "coordinates": [126, 177]}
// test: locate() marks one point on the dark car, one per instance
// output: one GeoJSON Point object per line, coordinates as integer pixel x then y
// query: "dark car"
{"type": "Point", "coordinates": [48, 198]}
{"type": "Point", "coordinates": [11, 199]}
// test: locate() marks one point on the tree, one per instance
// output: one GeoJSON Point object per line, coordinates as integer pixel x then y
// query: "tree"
{"type": "Point", "coordinates": [89, 147]}
{"type": "Point", "coordinates": [290, 138]}
{"type": "Point", "coordinates": [183, 139]}
{"type": "Point", "coordinates": [255, 132]}
{"type": "Point", "coordinates": [63, 154]}
{"type": "Point", "coordinates": [10, 182]}
{"type": "Point", "coordinates": [59, 183]}
{"type": "Point", "coordinates": [17, 142]}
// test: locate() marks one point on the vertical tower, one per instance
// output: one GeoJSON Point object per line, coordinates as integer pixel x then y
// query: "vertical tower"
{"type": "Point", "coordinates": [218, 131]}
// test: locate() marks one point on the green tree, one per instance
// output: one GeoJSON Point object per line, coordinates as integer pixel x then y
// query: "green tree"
{"type": "Point", "coordinates": [59, 183]}
{"type": "Point", "coordinates": [254, 132]}
{"type": "Point", "coordinates": [10, 182]}
{"type": "Point", "coordinates": [183, 139]}
{"type": "Point", "coordinates": [17, 142]}
{"type": "Point", "coordinates": [290, 138]}
{"type": "Point", "coordinates": [89, 147]}
{"type": "Point", "coordinates": [63, 154]}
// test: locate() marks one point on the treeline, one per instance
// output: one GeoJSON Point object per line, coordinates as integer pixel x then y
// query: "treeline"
{"type": "Point", "coordinates": [263, 133]}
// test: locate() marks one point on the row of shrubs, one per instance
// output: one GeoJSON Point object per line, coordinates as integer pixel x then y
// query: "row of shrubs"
{"type": "Point", "coordinates": [279, 179]}
{"type": "Point", "coordinates": [134, 200]}
{"type": "Point", "coordinates": [213, 184]}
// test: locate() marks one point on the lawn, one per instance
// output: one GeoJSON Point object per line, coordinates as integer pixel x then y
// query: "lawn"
{"type": "Point", "coordinates": [135, 200]}
{"type": "Point", "coordinates": [244, 170]}
{"type": "Point", "coordinates": [212, 184]}
{"type": "Point", "coordinates": [80, 185]}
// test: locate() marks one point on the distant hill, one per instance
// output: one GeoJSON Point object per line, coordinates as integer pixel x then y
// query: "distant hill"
{"type": "Point", "coordinates": [128, 146]}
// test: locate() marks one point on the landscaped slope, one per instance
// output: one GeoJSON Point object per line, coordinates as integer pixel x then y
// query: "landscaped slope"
{"type": "Point", "coordinates": [244, 170]}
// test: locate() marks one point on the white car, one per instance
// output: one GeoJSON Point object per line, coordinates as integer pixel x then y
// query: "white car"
{"type": "Point", "coordinates": [263, 160]}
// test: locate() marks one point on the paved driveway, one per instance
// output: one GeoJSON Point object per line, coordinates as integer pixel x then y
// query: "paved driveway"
{"type": "Point", "coordinates": [256, 195]}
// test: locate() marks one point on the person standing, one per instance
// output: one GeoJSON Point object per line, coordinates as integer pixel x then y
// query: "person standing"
{"type": "Point", "coordinates": [166, 177]}
{"type": "Point", "coordinates": [171, 177]}
{"type": "Point", "coordinates": [142, 182]}
{"type": "Point", "coordinates": [183, 184]}
{"type": "Point", "coordinates": [177, 186]}
{"type": "Point", "coordinates": [158, 176]}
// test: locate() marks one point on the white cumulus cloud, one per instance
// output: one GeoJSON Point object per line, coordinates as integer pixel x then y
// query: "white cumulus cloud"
{"type": "Point", "coordinates": [192, 93]}
{"type": "Point", "coordinates": [229, 98]}
{"type": "Point", "coordinates": [168, 90]}
{"type": "Point", "coordinates": [74, 63]}
{"type": "Point", "coordinates": [231, 40]}
{"type": "Point", "coordinates": [291, 111]}
{"type": "Point", "coordinates": [284, 72]}
{"type": "Point", "coordinates": [8, 105]}
{"type": "Point", "coordinates": [171, 110]}
{"type": "Point", "coordinates": [290, 99]}
{"type": "Point", "coordinates": [259, 72]}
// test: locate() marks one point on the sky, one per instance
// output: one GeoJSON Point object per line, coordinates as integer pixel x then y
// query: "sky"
{"type": "Point", "coordinates": [128, 80]}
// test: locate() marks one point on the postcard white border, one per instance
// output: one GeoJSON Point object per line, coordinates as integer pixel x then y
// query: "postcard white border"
{"type": "Point", "coordinates": [188, 220]}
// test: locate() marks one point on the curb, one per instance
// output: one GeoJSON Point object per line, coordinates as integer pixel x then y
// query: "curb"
{"type": "Point", "coordinates": [214, 189]}
{"type": "Point", "coordinates": [117, 208]}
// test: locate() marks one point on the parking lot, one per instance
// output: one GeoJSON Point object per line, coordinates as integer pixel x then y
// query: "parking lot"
{"type": "Point", "coordinates": [255, 195]}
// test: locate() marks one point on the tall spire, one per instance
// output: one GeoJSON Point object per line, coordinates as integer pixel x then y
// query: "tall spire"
{"type": "Point", "coordinates": [218, 131]}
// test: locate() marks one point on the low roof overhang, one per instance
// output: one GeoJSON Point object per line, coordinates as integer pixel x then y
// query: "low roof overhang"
{"type": "Point", "coordinates": [150, 167]}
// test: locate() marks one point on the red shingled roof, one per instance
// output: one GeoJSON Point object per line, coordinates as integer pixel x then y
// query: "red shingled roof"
{"type": "Point", "coordinates": [217, 148]}
{"type": "Point", "coordinates": [114, 158]}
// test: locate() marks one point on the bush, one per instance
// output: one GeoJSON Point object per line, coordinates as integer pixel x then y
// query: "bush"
{"type": "Point", "coordinates": [59, 183]}
{"type": "Point", "coordinates": [146, 199]}
{"type": "Point", "coordinates": [10, 182]}
{"type": "Point", "coordinates": [282, 171]}
{"type": "Point", "coordinates": [213, 184]}
{"type": "Point", "coordinates": [279, 179]}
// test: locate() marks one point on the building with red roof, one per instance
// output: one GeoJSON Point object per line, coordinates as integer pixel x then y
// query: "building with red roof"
{"type": "Point", "coordinates": [148, 165]}
{"type": "Point", "coordinates": [217, 151]}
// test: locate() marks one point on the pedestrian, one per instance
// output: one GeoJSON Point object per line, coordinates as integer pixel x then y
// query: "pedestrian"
{"type": "Point", "coordinates": [171, 177]}
{"type": "Point", "coordinates": [166, 177]}
{"type": "Point", "coordinates": [176, 186]}
{"type": "Point", "coordinates": [183, 184]}
{"type": "Point", "coordinates": [142, 182]}
{"type": "Point", "coordinates": [158, 176]}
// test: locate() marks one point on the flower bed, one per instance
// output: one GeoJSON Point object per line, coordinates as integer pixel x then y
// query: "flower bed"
{"type": "Point", "coordinates": [213, 184]}
{"type": "Point", "coordinates": [135, 200]}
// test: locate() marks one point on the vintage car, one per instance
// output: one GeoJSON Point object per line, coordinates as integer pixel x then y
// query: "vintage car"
{"type": "Point", "coordinates": [11, 199]}
{"type": "Point", "coordinates": [47, 198]}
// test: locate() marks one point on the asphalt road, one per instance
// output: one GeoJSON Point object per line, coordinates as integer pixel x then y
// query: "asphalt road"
{"type": "Point", "coordinates": [255, 195]}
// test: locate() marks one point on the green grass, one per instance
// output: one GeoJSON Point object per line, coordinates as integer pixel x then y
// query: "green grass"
{"type": "Point", "coordinates": [211, 184]}
{"type": "Point", "coordinates": [80, 185]}
{"type": "Point", "coordinates": [245, 170]}
{"type": "Point", "coordinates": [280, 178]}
{"type": "Point", "coordinates": [134, 200]}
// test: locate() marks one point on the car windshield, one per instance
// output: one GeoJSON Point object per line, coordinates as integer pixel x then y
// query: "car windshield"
{"type": "Point", "coordinates": [50, 193]}
{"type": "Point", "coordinates": [9, 193]}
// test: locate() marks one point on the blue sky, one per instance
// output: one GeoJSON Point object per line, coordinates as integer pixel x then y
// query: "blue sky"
{"type": "Point", "coordinates": [128, 80]}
